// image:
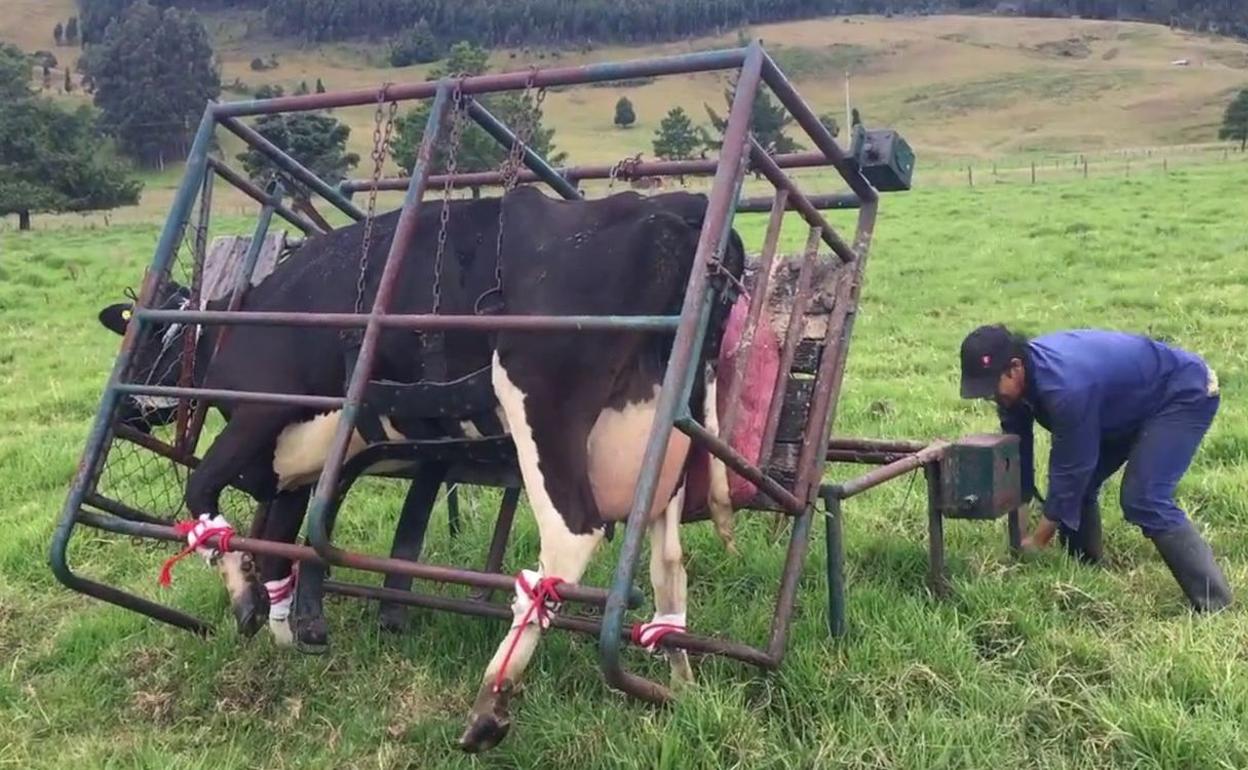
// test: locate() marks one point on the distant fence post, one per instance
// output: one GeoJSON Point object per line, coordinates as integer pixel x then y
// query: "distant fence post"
{"type": "Point", "coordinates": [1033, 172]}
{"type": "Point", "coordinates": [1085, 167]}
{"type": "Point", "coordinates": [970, 177]}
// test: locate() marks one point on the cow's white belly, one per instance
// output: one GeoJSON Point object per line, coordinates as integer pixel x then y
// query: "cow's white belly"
{"type": "Point", "coordinates": [616, 446]}
{"type": "Point", "coordinates": [302, 448]}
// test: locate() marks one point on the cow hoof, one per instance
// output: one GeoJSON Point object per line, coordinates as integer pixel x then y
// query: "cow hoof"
{"type": "Point", "coordinates": [489, 720]}
{"type": "Point", "coordinates": [484, 733]}
{"type": "Point", "coordinates": [312, 636]}
{"type": "Point", "coordinates": [392, 618]}
{"type": "Point", "coordinates": [251, 610]}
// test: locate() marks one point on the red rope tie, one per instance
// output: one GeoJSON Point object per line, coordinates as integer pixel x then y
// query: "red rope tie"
{"type": "Point", "coordinates": [187, 529]}
{"type": "Point", "coordinates": [280, 590]}
{"type": "Point", "coordinates": [543, 597]}
{"type": "Point", "coordinates": [649, 635]}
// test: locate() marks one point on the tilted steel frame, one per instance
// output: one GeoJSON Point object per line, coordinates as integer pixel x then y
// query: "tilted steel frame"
{"type": "Point", "coordinates": [739, 153]}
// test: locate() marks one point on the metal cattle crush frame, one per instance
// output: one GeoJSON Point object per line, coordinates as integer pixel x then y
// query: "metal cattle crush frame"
{"type": "Point", "coordinates": [970, 479]}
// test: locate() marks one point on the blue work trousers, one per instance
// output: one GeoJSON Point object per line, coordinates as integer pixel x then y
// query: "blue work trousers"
{"type": "Point", "coordinates": [1156, 458]}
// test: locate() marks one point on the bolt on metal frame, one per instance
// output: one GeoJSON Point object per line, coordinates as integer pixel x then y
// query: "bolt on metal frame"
{"type": "Point", "coordinates": [740, 152]}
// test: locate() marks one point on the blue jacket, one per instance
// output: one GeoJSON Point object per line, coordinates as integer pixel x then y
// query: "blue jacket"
{"type": "Point", "coordinates": [1087, 387]}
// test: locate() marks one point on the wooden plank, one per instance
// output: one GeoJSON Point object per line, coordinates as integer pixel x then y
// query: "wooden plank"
{"type": "Point", "coordinates": [225, 259]}
{"type": "Point", "coordinates": [806, 358]}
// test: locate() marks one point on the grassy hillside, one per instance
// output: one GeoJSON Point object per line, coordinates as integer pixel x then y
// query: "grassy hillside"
{"type": "Point", "coordinates": [959, 87]}
{"type": "Point", "coordinates": [1040, 664]}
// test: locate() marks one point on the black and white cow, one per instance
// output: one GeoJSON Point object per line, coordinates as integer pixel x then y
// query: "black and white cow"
{"type": "Point", "coordinates": [578, 405]}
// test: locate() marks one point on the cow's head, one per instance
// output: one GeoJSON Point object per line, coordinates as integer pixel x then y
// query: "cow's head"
{"type": "Point", "coordinates": [156, 359]}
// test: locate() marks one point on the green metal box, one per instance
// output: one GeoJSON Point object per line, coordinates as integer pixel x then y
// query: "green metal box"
{"type": "Point", "coordinates": [979, 477]}
{"type": "Point", "coordinates": [885, 159]}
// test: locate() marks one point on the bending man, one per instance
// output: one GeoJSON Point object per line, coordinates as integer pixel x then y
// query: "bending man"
{"type": "Point", "coordinates": [1107, 398]}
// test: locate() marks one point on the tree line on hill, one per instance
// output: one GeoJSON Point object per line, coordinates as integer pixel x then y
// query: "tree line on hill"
{"type": "Point", "coordinates": [578, 22]}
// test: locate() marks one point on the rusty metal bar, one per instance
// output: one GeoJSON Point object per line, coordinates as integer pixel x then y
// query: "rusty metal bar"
{"type": "Point", "coordinates": [256, 194]}
{"type": "Point", "coordinates": [507, 138]}
{"type": "Point", "coordinates": [875, 445]}
{"type": "Point", "coordinates": [863, 458]}
{"type": "Point", "coordinates": [929, 454]}
{"type": "Point", "coordinates": [733, 459]}
{"type": "Point", "coordinates": [427, 321]}
{"type": "Point", "coordinates": [706, 61]}
{"type": "Point", "coordinates": [578, 624]}
{"type": "Point", "coordinates": [198, 257]}
{"type": "Point", "coordinates": [767, 166]}
{"type": "Point", "coordinates": [293, 552]}
{"type": "Point", "coordinates": [230, 396]}
{"type": "Point", "coordinates": [289, 164]}
{"type": "Point", "coordinates": [498, 541]}
{"type": "Point", "coordinates": [155, 445]}
{"type": "Point", "coordinates": [829, 202]}
{"type": "Point", "coordinates": [118, 509]}
{"type": "Point", "coordinates": [832, 367]}
{"type": "Point", "coordinates": [809, 122]}
{"type": "Point", "coordinates": [677, 378]}
{"type": "Point", "coordinates": [628, 172]}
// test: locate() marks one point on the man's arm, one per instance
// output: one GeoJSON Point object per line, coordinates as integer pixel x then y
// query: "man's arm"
{"type": "Point", "coordinates": [1076, 447]}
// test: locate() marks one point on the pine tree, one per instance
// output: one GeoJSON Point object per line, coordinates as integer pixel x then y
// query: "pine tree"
{"type": "Point", "coordinates": [302, 90]}
{"type": "Point", "coordinates": [1235, 121]}
{"type": "Point", "coordinates": [677, 138]}
{"type": "Point", "coordinates": [767, 122]}
{"type": "Point", "coordinates": [71, 31]}
{"type": "Point", "coordinates": [320, 87]}
{"type": "Point", "coordinates": [69, 82]}
{"type": "Point", "coordinates": [624, 114]}
{"type": "Point", "coordinates": [58, 33]}
{"type": "Point", "coordinates": [317, 141]}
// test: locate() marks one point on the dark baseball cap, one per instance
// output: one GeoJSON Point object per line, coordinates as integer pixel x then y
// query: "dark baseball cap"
{"type": "Point", "coordinates": [986, 353]}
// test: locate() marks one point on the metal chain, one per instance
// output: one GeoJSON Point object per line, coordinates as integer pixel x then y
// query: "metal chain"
{"type": "Point", "coordinates": [511, 171]}
{"type": "Point", "coordinates": [452, 163]}
{"type": "Point", "coordinates": [380, 141]}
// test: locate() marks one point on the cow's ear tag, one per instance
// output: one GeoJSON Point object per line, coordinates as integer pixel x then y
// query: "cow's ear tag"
{"type": "Point", "coordinates": [125, 315]}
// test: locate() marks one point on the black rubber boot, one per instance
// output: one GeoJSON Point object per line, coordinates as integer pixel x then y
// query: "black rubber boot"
{"type": "Point", "coordinates": [1085, 543]}
{"type": "Point", "coordinates": [1191, 561]}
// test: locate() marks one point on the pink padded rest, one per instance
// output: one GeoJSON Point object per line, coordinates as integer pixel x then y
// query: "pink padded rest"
{"type": "Point", "coordinates": [759, 372]}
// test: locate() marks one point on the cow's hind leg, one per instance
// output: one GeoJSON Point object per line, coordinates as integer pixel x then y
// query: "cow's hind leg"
{"type": "Point", "coordinates": [670, 583]}
{"type": "Point", "coordinates": [251, 428]}
{"type": "Point", "coordinates": [409, 537]}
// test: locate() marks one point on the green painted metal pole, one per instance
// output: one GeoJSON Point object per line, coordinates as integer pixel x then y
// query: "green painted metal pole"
{"type": "Point", "coordinates": [725, 192]}
{"type": "Point", "coordinates": [101, 433]}
{"type": "Point", "coordinates": [835, 541]}
{"type": "Point", "coordinates": [327, 484]}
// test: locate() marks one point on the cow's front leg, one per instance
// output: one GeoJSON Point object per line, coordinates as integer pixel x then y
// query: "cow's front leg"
{"type": "Point", "coordinates": [277, 575]}
{"type": "Point", "coordinates": [563, 561]}
{"type": "Point", "coordinates": [251, 428]}
{"type": "Point", "coordinates": [670, 583]}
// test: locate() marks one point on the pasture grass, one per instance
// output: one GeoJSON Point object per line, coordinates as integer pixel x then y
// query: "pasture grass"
{"type": "Point", "coordinates": [1039, 663]}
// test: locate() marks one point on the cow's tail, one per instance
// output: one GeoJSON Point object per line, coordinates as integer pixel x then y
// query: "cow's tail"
{"type": "Point", "coordinates": [719, 497]}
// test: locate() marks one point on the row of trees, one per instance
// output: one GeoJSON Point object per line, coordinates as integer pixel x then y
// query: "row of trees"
{"type": "Point", "coordinates": [67, 33]}
{"type": "Point", "coordinates": [498, 22]}
{"type": "Point", "coordinates": [52, 159]}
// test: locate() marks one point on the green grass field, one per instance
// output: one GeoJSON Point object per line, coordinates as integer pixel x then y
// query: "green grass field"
{"type": "Point", "coordinates": [1036, 664]}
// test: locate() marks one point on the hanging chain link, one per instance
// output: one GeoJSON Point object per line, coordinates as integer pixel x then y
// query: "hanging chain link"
{"type": "Point", "coordinates": [381, 140]}
{"type": "Point", "coordinates": [530, 122]}
{"type": "Point", "coordinates": [452, 163]}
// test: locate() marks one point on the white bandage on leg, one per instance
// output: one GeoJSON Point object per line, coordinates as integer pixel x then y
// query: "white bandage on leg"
{"type": "Point", "coordinates": [528, 586]}
{"type": "Point", "coordinates": [281, 596]}
{"type": "Point", "coordinates": [649, 634]}
{"type": "Point", "coordinates": [203, 529]}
